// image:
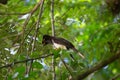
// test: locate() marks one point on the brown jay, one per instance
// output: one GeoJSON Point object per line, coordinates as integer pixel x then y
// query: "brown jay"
{"type": "Point", "coordinates": [58, 42]}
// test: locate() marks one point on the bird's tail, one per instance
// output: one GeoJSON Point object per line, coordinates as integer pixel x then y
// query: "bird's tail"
{"type": "Point", "coordinates": [80, 54]}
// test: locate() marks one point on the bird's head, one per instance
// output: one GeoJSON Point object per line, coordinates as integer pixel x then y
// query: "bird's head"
{"type": "Point", "coordinates": [46, 40]}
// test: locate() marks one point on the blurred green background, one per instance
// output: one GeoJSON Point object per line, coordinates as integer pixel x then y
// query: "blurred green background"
{"type": "Point", "coordinates": [91, 25]}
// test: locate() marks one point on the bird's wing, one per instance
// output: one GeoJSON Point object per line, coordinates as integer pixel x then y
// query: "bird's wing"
{"type": "Point", "coordinates": [64, 42]}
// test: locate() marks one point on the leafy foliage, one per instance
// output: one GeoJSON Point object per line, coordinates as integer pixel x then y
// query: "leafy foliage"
{"type": "Point", "coordinates": [88, 24]}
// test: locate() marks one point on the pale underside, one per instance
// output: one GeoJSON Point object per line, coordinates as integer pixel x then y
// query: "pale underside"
{"type": "Point", "coordinates": [58, 46]}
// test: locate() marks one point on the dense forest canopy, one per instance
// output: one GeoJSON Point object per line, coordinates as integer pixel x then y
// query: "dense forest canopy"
{"type": "Point", "coordinates": [92, 26]}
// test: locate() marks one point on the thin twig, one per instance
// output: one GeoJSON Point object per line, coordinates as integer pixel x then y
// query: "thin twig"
{"type": "Point", "coordinates": [66, 66]}
{"type": "Point", "coordinates": [4, 13]}
{"type": "Point", "coordinates": [23, 61]}
{"type": "Point", "coordinates": [30, 67]}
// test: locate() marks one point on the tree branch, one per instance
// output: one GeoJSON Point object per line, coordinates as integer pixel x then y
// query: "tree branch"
{"type": "Point", "coordinates": [99, 66]}
{"type": "Point", "coordinates": [53, 34]}
{"type": "Point", "coordinates": [17, 13]}
{"type": "Point", "coordinates": [52, 17]}
{"type": "Point", "coordinates": [23, 61]}
{"type": "Point", "coordinates": [116, 77]}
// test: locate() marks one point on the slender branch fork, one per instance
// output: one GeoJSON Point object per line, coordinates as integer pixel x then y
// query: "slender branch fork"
{"type": "Point", "coordinates": [38, 24]}
{"type": "Point", "coordinates": [36, 32]}
{"type": "Point", "coordinates": [26, 22]}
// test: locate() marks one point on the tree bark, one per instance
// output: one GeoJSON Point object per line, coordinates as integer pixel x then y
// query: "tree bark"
{"type": "Point", "coordinates": [99, 66]}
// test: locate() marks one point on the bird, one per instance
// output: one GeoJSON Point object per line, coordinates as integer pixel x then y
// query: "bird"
{"type": "Point", "coordinates": [59, 43]}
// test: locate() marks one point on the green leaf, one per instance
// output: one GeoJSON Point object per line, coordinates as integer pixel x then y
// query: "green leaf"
{"type": "Point", "coordinates": [37, 65]}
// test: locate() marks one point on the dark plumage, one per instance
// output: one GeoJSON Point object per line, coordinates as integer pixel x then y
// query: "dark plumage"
{"type": "Point", "coordinates": [59, 43]}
